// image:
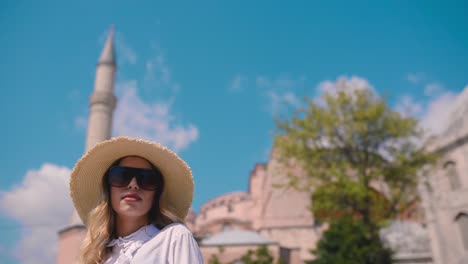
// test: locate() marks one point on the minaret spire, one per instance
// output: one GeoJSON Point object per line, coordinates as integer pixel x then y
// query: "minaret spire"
{"type": "Point", "coordinates": [102, 103]}
{"type": "Point", "coordinates": [108, 52]}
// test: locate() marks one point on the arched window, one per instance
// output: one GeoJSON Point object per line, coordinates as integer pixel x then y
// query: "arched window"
{"type": "Point", "coordinates": [452, 175]}
{"type": "Point", "coordinates": [428, 186]}
{"type": "Point", "coordinates": [462, 221]}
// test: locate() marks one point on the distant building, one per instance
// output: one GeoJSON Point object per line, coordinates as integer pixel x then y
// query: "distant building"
{"type": "Point", "coordinates": [277, 215]}
{"type": "Point", "coordinates": [445, 190]}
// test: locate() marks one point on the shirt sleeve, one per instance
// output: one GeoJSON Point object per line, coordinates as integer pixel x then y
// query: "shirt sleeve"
{"type": "Point", "coordinates": [185, 249]}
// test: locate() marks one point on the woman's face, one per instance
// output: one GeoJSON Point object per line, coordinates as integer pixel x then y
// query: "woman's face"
{"type": "Point", "coordinates": [131, 201]}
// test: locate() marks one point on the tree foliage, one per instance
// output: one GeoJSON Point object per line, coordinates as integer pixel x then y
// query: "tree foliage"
{"type": "Point", "coordinates": [360, 156]}
{"type": "Point", "coordinates": [214, 259]}
{"type": "Point", "coordinates": [335, 200]}
{"type": "Point", "coordinates": [348, 241]}
{"type": "Point", "coordinates": [260, 256]}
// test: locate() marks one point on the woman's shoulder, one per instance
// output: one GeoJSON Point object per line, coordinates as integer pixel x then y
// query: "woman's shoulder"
{"type": "Point", "coordinates": [173, 244]}
{"type": "Point", "coordinates": [176, 229]}
{"type": "Point", "coordinates": [170, 234]}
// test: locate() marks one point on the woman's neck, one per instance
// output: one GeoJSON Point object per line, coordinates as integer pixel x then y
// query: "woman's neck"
{"type": "Point", "coordinates": [126, 226]}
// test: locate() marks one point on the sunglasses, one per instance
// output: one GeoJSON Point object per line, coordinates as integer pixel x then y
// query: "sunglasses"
{"type": "Point", "coordinates": [121, 176]}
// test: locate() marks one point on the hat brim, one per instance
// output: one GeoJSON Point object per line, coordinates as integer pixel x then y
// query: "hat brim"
{"type": "Point", "coordinates": [86, 177]}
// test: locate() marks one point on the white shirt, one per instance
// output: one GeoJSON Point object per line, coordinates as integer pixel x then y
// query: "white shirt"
{"type": "Point", "coordinates": [174, 244]}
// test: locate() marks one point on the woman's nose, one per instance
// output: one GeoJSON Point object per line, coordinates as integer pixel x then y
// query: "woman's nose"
{"type": "Point", "coordinates": [133, 184]}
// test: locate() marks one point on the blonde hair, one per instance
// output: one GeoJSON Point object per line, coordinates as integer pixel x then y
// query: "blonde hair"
{"type": "Point", "coordinates": [101, 224]}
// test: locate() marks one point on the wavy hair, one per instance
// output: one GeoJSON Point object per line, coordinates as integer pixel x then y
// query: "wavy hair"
{"type": "Point", "coordinates": [101, 223]}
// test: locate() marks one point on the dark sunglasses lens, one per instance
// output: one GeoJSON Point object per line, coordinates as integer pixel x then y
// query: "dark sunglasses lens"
{"type": "Point", "coordinates": [147, 180]}
{"type": "Point", "coordinates": [119, 177]}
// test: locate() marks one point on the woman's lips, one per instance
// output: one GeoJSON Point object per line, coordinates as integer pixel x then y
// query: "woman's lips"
{"type": "Point", "coordinates": [131, 197]}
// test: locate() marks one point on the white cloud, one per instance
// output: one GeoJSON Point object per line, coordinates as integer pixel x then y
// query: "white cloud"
{"type": "Point", "coordinates": [158, 74]}
{"type": "Point", "coordinates": [238, 84]}
{"type": "Point", "coordinates": [125, 54]}
{"type": "Point", "coordinates": [407, 106]}
{"type": "Point", "coordinates": [41, 205]}
{"type": "Point", "coordinates": [431, 88]}
{"type": "Point", "coordinates": [279, 92]}
{"type": "Point", "coordinates": [152, 121]}
{"type": "Point", "coordinates": [283, 82]}
{"type": "Point", "coordinates": [415, 78]}
{"type": "Point", "coordinates": [434, 114]}
{"type": "Point", "coordinates": [343, 83]}
{"type": "Point", "coordinates": [437, 113]}
{"type": "Point", "coordinates": [434, 88]}
{"type": "Point", "coordinates": [81, 122]}
{"type": "Point", "coordinates": [278, 101]}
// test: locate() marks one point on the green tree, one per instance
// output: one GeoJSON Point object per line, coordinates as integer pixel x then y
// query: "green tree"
{"type": "Point", "coordinates": [348, 142]}
{"type": "Point", "coordinates": [348, 241]}
{"type": "Point", "coordinates": [361, 161]}
{"type": "Point", "coordinates": [214, 259]}
{"type": "Point", "coordinates": [260, 256]}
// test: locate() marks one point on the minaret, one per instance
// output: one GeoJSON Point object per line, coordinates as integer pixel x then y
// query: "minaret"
{"type": "Point", "coordinates": [101, 107]}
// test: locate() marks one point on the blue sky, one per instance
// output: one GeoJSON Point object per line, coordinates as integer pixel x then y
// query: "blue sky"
{"type": "Point", "coordinates": [212, 73]}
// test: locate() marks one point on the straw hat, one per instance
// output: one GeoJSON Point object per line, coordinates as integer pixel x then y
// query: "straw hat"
{"type": "Point", "coordinates": [86, 177]}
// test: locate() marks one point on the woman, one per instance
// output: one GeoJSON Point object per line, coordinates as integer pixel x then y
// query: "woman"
{"type": "Point", "coordinates": [133, 196]}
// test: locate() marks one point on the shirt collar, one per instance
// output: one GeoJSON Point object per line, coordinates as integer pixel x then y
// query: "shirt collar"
{"type": "Point", "coordinates": [140, 236]}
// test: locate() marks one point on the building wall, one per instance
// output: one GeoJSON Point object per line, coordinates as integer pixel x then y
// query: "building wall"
{"type": "Point", "coordinates": [70, 242]}
{"type": "Point", "coordinates": [280, 206]}
{"type": "Point", "coordinates": [279, 214]}
{"type": "Point", "coordinates": [303, 239]}
{"type": "Point", "coordinates": [443, 203]}
{"type": "Point", "coordinates": [234, 209]}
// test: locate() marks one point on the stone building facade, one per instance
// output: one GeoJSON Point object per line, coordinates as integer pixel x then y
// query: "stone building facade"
{"type": "Point", "coordinates": [445, 189]}
{"type": "Point", "coordinates": [277, 214]}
